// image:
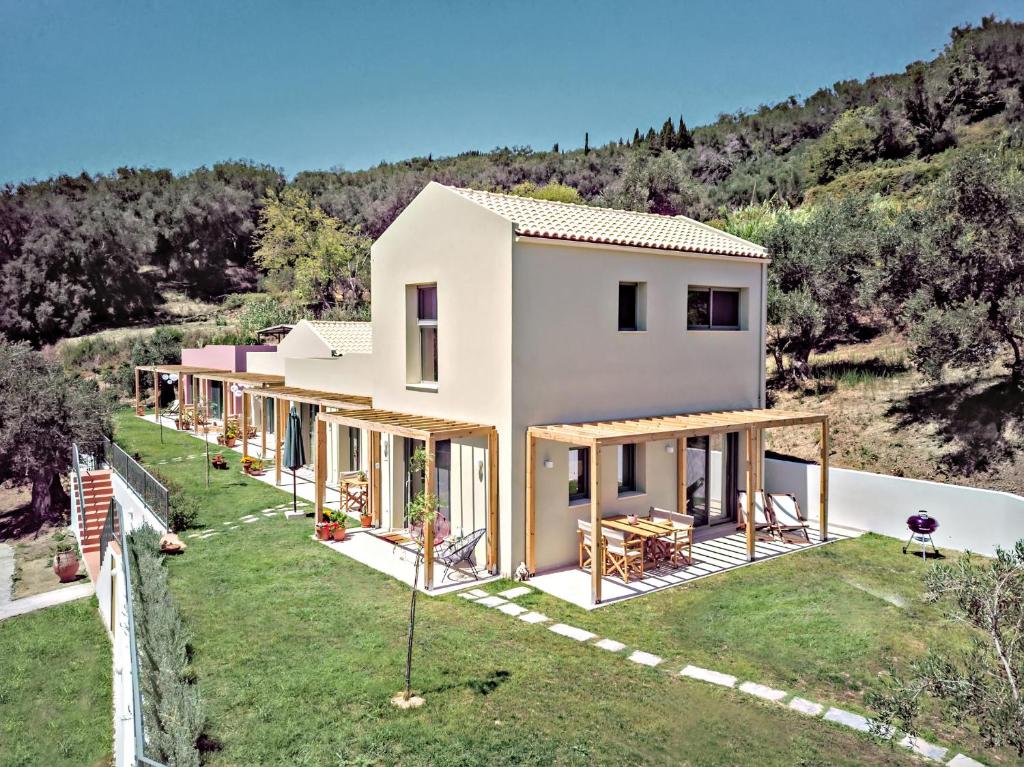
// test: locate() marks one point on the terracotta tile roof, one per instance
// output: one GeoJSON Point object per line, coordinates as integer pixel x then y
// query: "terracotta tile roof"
{"type": "Point", "coordinates": [587, 223]}
{"type": "Point", "coordinates": [344, 337]}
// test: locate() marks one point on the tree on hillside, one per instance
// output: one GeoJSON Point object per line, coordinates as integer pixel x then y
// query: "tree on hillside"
{"type": "Point", "coordinates": [43, 410]}
{"type": "Point", "coordinates": [983, 681]}
{"type": "Point", "coordinates": [965, 261]}
{"type": "Point", "coordinates": [684, 139]}
{"type": "Point", "coordinates": [819, 258]}
{"type": "Point", "coordinates": [552, 191]}
{"type": "Point", "coordinates": [330, 260]}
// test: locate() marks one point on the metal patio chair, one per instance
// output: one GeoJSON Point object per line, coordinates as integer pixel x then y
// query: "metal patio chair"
{"type": "Point", "coordinates": [459, 550]}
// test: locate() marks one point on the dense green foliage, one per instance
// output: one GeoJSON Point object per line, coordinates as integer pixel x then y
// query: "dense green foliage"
{"type": "Point", "coordinates": [43, 409]}
{"type": "Point", "coordinates": [172, 712]}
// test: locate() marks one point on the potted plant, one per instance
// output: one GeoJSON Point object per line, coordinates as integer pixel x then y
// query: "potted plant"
{"type": "Point", "coordinates": [323, 531]}
{"type": "Point", "coordinates": [65, 557]}
{"type": "Point", "coordinates": [230, 433]}
{"type": "Point", "coordinates": [218, 461]}
{"type": "Point", "coordinates": [338, 530]}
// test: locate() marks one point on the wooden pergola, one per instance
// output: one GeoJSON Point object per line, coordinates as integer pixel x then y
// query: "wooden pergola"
{"type": "Point", "coordinates": [429, 430]}
{"type": "Point", "coordinates": [283, 397]}
{"type": "Point", "coordinates": [226, 378]}
{"type": "Point", "coordinates": [598, 434]}
{"type": "Point", "coordinates": [157, 371]}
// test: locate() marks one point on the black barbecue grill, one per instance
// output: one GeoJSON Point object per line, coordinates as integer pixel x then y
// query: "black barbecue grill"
{"type": "Point", "coordinates": [921, 528]}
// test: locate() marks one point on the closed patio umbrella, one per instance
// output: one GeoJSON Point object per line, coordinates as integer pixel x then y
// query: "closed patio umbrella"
{"type": "Point", "coordinates": [294, 454]}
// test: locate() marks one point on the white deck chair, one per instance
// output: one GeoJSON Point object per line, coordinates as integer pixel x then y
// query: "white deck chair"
{"type": "Point", "coordinates": [785, 508]}
{"type": "Point", "coordinates": [762, 520]}
{"type": "Point", "coordinates": [682, 533]}
{"type": "Point", "coordinates": [622, 555]}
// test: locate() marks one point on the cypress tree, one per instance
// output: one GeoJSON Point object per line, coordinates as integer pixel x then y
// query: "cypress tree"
{"type": "Point", "coordinates": [684, 139]}
{"type": "Point", "coordinates": [668, 135]}
{"type": "Point", "coordinates": [586, 143]}
{"type": "Point", "coordinates": [554, 149]}
{"type": "Point", "coordinates": [636, 137]}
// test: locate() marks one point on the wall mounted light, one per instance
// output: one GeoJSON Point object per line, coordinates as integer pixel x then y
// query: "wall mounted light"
{"type": "Point", "coordinates": [387, 445]}
{"type": "Point", "coordinates": [236, 389]}
{"type": "Point", "coordinates": [548, 463]}
{"type": "Point", "coordinates": [670, 448]}
{"type": "Point", "coordinates": [480, 469]}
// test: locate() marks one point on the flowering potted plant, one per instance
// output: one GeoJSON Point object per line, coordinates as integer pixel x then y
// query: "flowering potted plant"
{"type": "Point", "coordinates": [323, 531]}
{"type": "Point", "coordinates": [65, 557]}
{"type": "Point", "coordinates": [337, 529]}
{"type": "Point", "coordinates": [230, 433]}
{"type": "Point", "coordinates": [252, 466]}
{"type": "Point", "coordinates": [218, 461]}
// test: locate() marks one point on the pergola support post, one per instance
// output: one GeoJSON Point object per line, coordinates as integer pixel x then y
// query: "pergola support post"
{"type": "Point", "coordinates": [492, 501]}
{"type": "Point", "coordinates": [596, 536]}
{"type": "Point", "coordinates": [823, 483]}
{"type": "Point", "coordinates": [374, 475]}
{"type": "Point", "coordinates": [531, 504]}
{"type": "Point", "coordinates": [749, 451]}
{"type": "Point", "coordinates": [138, 392]}
{"type": "Point", "coordinates": [243, 427]}
{"type": "Point", "coordinates": [263, 428]}
{"type": "Point", "coordinates": [681, 475]}
{"type": "Point", "coordinates": [280, 408]}
{"type": "Point", "coordinates": [319, 467]}
{"type": "Point", "coordinates": [156, 395]}
{"type": "Point", "coordinates": [428, 525]}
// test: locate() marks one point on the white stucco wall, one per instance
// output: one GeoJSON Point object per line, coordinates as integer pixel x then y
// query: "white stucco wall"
{"type": "Point", "coordinates": [969, 518]}
{"type": "Point", "coordinates": [269, 363]}
{"type": "Point", "coordinates": [301, 341]}
{"type": "Point", "coordinates": [350, 374]}
{"type": "Point", "coordinates": [571, 363]}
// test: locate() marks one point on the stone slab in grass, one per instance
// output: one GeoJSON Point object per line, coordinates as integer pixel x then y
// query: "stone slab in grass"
{"type": "Point", "coordinates": [511, 609]}
{"type": "Point", "coordinates": [610, 645]}
{"type": "Point", "coordinates": [476, 593]}
{"type": "Point", "coordinates": [518, 591]}
{"type": "Point", "coordinates": [494, 601]}
{"type": "Point", "coordinates": [851, 720]}
{"type": "Point", "coordinates": [572, 632]}
{"type": "Point", "coordinates": [805, 706]}
{"type": "Point", "coordinates": [963, 761]}
{"type": "Point", "coordinates": [924, 748]}
{"type": "Point", "coordinates": [645, 658]}
{"type": "Point", "coordinates": [707, 675]}
{"type": "Point", "coordinates": [534, 618]}
{"type": "Point", "coordinates": [467, 595]}
{"type": "Point", "coordinates": [294, 514]}
{"type": "Point", "coordinates": [250, 521]}
{"type": "Point", "coordinates": [763, 691]}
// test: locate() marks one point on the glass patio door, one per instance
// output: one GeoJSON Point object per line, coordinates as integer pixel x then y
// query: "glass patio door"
{"type": "Point", "coordinates": [414, 480]}
{"type": "Point", "coordinates": [711, 472]}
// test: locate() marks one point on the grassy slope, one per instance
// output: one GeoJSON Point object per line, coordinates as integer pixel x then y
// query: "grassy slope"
{"type": "Point", "coordinates": [298, 649]}
{"type": "Point", "coordinates": [55, 681]}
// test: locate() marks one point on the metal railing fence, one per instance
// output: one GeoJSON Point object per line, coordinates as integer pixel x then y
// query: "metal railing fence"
{"type": "Point", "coordinates": [145, 485]}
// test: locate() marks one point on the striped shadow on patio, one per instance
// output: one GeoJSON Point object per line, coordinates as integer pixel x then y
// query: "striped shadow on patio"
{"type": "Point", "coordinates": [711, 555]}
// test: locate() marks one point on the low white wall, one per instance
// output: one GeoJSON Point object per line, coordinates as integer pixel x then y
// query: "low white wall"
{"type": "Point", "coordinates": [970, 519]}
{"type": "Point", "coordinates": [350, 374]}
{"type": "Point", "coordinates": [136, 513]}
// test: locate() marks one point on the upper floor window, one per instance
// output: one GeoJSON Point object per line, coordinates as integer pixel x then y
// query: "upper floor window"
{"type": "Point", "coordinates": [632, 309]}
{"type": "Point", "coordinates": [579, 473]}
{"type": "Point", "coordinates": [713, 309]}
{"type": "Point", "coordinates": [426, 320]}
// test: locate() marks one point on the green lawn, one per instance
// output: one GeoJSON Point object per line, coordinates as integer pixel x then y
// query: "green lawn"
{"type": "Point", "coordinates": [55, 688]}
{"type": "Point", "coordinates": [297, 650]}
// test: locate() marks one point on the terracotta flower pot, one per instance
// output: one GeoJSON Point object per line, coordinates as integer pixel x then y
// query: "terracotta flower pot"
{"type": "Point", "coordinates": [365, 520]}
{"type": "Point", "coordinates": [65, 566]}
{"type": "Point", "coordinates": [322, 534]}
{"type": "Point", "coordinates": [340, 533]}
{"type": "Point", "coordinates": [229, 442]}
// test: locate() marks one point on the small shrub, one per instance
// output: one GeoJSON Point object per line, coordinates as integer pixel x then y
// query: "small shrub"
{"type": "Point", "coordinates": [184, 512]}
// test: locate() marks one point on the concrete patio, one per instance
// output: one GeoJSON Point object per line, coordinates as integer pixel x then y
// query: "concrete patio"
{"type": "Point", "coordinates": [716, 551]}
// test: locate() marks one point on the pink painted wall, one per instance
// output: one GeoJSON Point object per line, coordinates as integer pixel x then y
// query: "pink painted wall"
{"type": "Point", "coordinates": [222, 356]}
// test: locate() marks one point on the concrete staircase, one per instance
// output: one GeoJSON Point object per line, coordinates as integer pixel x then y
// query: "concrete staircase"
{"type": "Point", "coordinates": [98, 488]}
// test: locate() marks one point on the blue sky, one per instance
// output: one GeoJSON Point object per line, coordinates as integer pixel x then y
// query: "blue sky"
{"type": "Point", "coordinates": [304, 85]}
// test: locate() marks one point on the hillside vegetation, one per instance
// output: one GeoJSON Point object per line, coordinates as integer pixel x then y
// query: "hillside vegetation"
{"type": "Point", "coordinates": [893, 208]}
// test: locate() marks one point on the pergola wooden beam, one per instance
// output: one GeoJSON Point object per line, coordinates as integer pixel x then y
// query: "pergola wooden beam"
{"type": "Point", "coordinates": [679, 427]}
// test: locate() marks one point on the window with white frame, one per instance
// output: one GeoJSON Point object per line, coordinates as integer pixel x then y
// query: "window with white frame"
{"type": "Point", "coordinates": [426, 321]}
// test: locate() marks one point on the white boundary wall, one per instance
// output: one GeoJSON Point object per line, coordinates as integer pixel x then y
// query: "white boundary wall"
{"type": "Point", "coordinates": [969, 518]}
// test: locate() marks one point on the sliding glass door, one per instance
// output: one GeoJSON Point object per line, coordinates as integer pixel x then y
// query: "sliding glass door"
{"type": "Point", "coordinates": [711, 478]}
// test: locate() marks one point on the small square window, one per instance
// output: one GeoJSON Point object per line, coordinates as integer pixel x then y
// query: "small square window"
{"type": "Point", "coordinates": [631, 306]}
{"type": "Point", "coordinates": [579, 473]}
{"type": "Point", "coordinates": [627, 468]}
{"type": "Point", "coordinates": [713, 309]}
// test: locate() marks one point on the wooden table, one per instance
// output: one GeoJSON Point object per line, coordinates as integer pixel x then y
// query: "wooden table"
{"type": "Point", "coordinates": [644, 528]}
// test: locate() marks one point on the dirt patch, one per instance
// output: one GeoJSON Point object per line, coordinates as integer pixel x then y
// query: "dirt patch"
{"type": "Point", "coordinates": [33, 547]}
{"type": "Point", "coordinates": [886, 417]}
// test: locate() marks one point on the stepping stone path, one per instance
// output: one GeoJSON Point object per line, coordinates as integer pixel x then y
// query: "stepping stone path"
{"type": "Point", "coordinates": [706, 675]}
{"type": "Point", "coordinates": [924, 748]}
{"type": "Point", "coordinates": [644, 658]}
{"type": "Point", "coordinates": [534, 618]}
{"type": "Point", "coordinates": [572, 632]}
{"type": "Point", "coordinates": [806, 707]}
{"type": "Point", "coordinates": [502, 602]}
{"type": "Point", "coordinates": [761, 691]}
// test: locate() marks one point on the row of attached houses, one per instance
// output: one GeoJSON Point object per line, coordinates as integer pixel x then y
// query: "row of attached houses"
{"type": "Point", "coordinates": [558, 362]}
